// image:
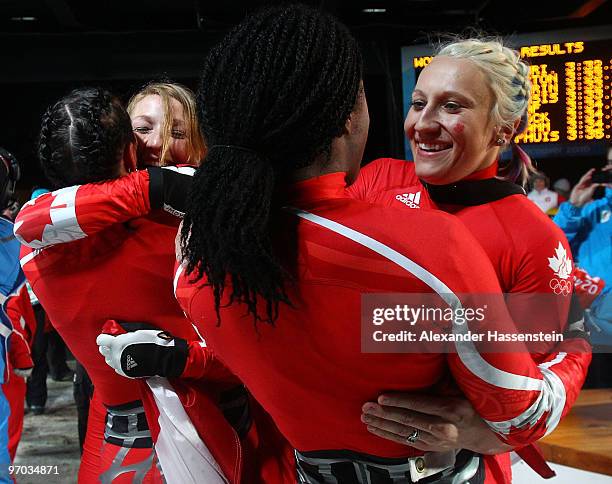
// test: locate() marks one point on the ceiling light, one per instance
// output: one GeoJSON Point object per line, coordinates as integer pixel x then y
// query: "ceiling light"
{"type": "Point", "coordinates": [374, 10]}
{"type": "Point", "coordinates": [23, 19]}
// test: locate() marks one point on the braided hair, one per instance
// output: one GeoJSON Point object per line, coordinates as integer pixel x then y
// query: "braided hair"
{"type": "Point", "coordinates": [82, 138]}
{"type": "Point", "coordinates": [273, 95]}
{"type": "Point", "coordinates": [509, 82]}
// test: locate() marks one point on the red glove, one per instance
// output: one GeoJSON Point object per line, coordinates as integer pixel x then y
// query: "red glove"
{"type": "Point", "coordinates": [586, 287]}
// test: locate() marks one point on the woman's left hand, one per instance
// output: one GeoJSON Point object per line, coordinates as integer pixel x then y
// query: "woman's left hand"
{"type": "Point", "coordinates": [443, 423]}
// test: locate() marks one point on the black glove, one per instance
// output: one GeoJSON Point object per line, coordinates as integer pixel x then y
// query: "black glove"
{"type": "Point", "coordinates": [169, 188]}
{"type": "Point", "coordinates": [144, 353]}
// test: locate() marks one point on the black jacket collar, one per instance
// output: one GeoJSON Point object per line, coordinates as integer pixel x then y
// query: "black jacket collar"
{"type": "Point", "coordinates": [473, 192]}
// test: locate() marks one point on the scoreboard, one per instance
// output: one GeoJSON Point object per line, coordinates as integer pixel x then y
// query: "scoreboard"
{"type": "Point", "coordinates": [570, 108]}
{"type": "Point", "coordinates": [570, 92]}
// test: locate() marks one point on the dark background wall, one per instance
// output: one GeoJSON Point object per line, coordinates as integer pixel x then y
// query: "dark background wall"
{"type": "Point", "coordinates": [48, 47]}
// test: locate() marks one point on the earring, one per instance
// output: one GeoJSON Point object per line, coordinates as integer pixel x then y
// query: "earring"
{"type": "Point", "coordinates": [500, 141]}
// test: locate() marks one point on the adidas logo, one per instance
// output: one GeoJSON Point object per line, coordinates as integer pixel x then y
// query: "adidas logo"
{"type": "Point", "coordinates": [411, 200]}
{"type": "Point", "coordinates": [130, 362]}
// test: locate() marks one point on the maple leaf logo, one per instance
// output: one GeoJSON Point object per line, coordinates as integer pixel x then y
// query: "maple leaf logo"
{"type": "Point", "coordinates": [560, 263]}
{"type": "Point", "coordinates": [34, 217]}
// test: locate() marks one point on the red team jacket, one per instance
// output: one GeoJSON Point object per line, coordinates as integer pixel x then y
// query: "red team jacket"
{"type": "Point", "coordinates": [309, 340]}
{"type": "Point", "coordinates": [518, 238]}
{"type": "Point", "coordinates": [123, 273]}
{"type": "Point", "coordinates": [19, 310]}
{"type": "Point", "coordinates": [83, 284]}
{"type": "Point", "coordinates": [320, 341]}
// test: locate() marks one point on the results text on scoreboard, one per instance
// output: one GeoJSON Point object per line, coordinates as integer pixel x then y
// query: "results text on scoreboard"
{"type": "Point", "coordinates": [570, 91]}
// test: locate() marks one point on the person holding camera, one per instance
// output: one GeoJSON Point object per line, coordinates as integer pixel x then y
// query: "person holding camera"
{"type": "Point", "coordinates": [587, 223]}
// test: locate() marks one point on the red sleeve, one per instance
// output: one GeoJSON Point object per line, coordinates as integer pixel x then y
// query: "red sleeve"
{"type": "Point", "coordinates": [520, 400]}
{"type": "Point", "coordinates": [538, 272]}
{"type": "Point", "coordinates": [545, 269]}
{"type": "Point", "coordinates": [19, 352]}
{"type": "Point", "coordinates": [571, 360]}
{"type": "Point", "coordinates": [202, 363]}
{"type": "Point", "coordinates": [19, 310]}
{"type": "Point", "coordinates": [75, 212]}
{"type": "Point", "coordinates": [544, 264]}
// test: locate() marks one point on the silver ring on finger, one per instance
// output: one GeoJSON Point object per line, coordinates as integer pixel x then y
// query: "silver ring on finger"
{"type": "Point", "coordinates": [413, 437]}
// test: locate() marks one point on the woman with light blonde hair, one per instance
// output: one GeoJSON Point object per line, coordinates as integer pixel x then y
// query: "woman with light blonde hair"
{"type": "Point", "coordinates": [166, 126]}
{"type": "Point", "coordinates": [469, 104]}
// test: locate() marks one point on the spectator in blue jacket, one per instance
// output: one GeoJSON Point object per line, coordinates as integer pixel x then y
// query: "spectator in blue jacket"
{"type": "Point", "coordinates": [11, 278]}
{"type": "Point", "coordinates": [587, 223]}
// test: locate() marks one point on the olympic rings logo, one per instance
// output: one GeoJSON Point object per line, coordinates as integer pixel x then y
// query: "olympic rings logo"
{"type": "Point", "coordinates": [561, 287]}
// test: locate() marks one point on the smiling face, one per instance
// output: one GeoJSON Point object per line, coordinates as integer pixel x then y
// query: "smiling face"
{"type": "Point", "coordinates": [449, 125]}
{"type": "Point", "coordinates": [148, 121]}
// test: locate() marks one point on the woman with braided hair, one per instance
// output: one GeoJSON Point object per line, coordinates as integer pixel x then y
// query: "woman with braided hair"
{"type": "Point", "coordinates": [87, 137]}
{"type": "Point", "coordinates": [89, 153]}
{"type": "Point", "coordinates": [275, 257]}
{"type": "Point", "coordinates": [164, 123]}
{"type": "Point", "coordinates": [467, 106]}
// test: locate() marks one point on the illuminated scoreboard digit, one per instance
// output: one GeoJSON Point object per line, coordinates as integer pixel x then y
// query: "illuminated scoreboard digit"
{"type": "Point", "coordinates": [570, 91]}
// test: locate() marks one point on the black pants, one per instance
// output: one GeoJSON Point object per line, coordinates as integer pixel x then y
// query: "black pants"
{"type": "Point", "coordinates": [37, 383]}
{"type": "Point", "coordinates": [56, 355]}
{"type": "Point", "coordinates": [82, 392]}
{"type": "Point", "coordinates": [48, 354]}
